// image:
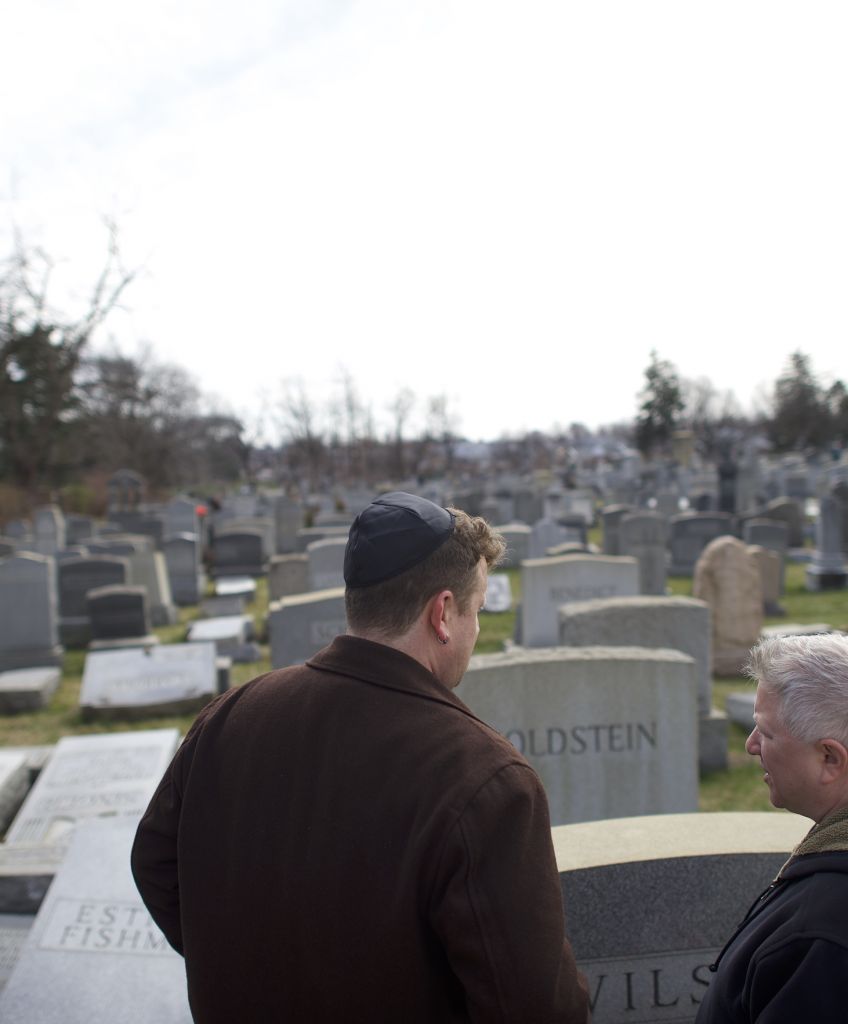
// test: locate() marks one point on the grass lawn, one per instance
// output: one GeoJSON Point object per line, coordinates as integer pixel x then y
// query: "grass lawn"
{"type": "Point", "coordinates": [740, 788]}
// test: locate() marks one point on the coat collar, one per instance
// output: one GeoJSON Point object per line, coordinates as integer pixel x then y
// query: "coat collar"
{"type": "Point", "coordinates": [379, 665]}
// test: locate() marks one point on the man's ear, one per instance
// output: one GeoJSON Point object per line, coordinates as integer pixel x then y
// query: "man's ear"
{"type": "Point", "coordinates": [834, 762]}
{"type": "Point", "coordinates": [437, 611]}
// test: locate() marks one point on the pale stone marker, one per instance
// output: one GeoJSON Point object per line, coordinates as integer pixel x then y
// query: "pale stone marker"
{"type": "Point", "coordinates": [498, 594]}
{"type": "Point", "coordinates": [94, 955]}
{"type": "Point", "coordinates": [299, 626]}
{"type": "Point", "coordinates": [170, 679]}
{"type": "Point", "coordinates": [610, 730]}
{"type": "Point", "coordinates": [650, 901]}
{"type": "Point", "coordinates": [93, 776]}
{"type": "Point", "coordinates": [549, 583]}
{"type": "Point", "coordinates": [727, 578]}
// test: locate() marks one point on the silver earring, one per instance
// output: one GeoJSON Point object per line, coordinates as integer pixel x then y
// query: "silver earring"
{"type": "Point", "coordinates": [443, 639]}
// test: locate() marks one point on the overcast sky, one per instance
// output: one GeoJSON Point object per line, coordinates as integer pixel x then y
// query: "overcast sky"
{"type": "Point", "coordinates": [506, 204]}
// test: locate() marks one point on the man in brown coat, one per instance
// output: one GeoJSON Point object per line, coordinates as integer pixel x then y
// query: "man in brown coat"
{"type": "Point", "coordinates": [344, 841]}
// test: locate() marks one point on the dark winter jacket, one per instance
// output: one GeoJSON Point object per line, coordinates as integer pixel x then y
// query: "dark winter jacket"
{"type": "Point", "coordinates": [788, 961]}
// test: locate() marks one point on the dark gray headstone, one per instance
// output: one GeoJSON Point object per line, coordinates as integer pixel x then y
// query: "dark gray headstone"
{"type": "Point", "coordinates": [169, 679]}
{"type": "Point", "coordinates": [28, 612]}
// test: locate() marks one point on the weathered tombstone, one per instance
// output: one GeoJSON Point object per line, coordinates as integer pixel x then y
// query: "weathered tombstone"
{"type": "Point", "coordinates": [28, 612]}
{"type": "Point", "coordinates": [94, 955]}
{"type": "Point", "coordinates": [610, 730]}
{"type": "Point", "coordinates": [650, 901]}
{"type": "Point", "coordinates": [239, 553]}
{"type": "Point", "coordinates": [236, 586]}
{"type": "Point", "coordinates": [27, 689]}
{"type": "Point", "coordinates": [827, 571]}
{"type": "Point", "coordinates": [517, 538]}
{"type": "Point", "coordinates": [498, 594]}
{"type": "Point", "coordinates": [20, 530]}
{"type": "Point", "coordinates": [528, 506]}
{"type": "Point", "coordinates": [263, 524]}
{"type": "Point", "coordinates": [288, 519]}
{"type": "Point", "coordinates": [740, 708]}
{"type": "Point", "coordinates": [287, 575]}
{"type": "Point", "coordinates": [549, 583]}
{"type": "Point", "coordinates": [326, 563]}
{"type": "Point", "coordinates": [171, 679]}
{"type": "Point", "coordinates": [643, 536]}
{"type": "Point", "coordinates": [546, 534]}
{"type": "Point", "coordinates": [76, 578]}
{"type": "Point", "coordinates": [308, 534]}
{"type": "Point", "coordinates": [769, 566]}
{"type": "Point", "coordinates": [8, 546]}
{"type": "Point", "coordinates": [689, 534]}
{"type": "Point", "coordinates": [66, 554]}
{"type": "Point", "coordinates": [301, 625]}
{"type": "Point", "coordinates": [611, 516]}
{"type": "Point", "coordinates": [180, 516]}
{"type": "Point", "coordinates": [680, 623]}
{"type": "Point", "coordinates": [771, 534]}
{"type": "Point", "coordinates": [118, 611]}
{"type": "Point", "coordinates": [221, 605]}
{"type": "Point", "coordinates": [232, 636]}
{"type": "Point", "coordinates": [112, 775]}
{"type": "Point", "coordinates": [48, 525]}
{"type": "Point", "coordinates": [185, 574]}
{"type": "Point", "coordinates": [149, 569]}
{"type": "Point", "coordinates": [727, 578]}
{"type": "Point", "coordinates": [789, 512]}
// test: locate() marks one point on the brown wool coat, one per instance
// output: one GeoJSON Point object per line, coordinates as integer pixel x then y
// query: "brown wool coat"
{"type": "Point", "coordinates": [344, 841]}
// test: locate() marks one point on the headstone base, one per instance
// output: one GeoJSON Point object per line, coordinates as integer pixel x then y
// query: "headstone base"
{"type": "Point", "coordinates": [27, 689]}
{"type": "Point", "coordinates": [26, 871]}
{"type": "Point", "coordinates": [825, 579]}
{"type": "Point", "coordinates": [124, 643]}
{"type": "Point", "coordinates": [740, 708]}
{"type": "Point", "coordinates": [712, 742]}
{"type": "Point", "coordinates": [32, 657]}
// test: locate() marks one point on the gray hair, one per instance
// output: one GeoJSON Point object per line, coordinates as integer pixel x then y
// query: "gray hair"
{"type": "Point", "coordinates": [809, 676]}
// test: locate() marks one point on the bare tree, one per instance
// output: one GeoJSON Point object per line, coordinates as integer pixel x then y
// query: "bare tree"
{"type": "Point", "coordinates": [40, 357]}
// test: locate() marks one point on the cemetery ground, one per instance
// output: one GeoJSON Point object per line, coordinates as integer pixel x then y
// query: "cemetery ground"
{"type": "Point", "coordinates": [740, 788]}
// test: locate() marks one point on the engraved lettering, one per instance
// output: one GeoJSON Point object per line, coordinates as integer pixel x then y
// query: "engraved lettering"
{"type": "Point", "coordinates": [656, 972]}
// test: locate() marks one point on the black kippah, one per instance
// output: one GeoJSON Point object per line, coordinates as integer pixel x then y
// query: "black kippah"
{"type": "Point", "coordinates": [395, 532]}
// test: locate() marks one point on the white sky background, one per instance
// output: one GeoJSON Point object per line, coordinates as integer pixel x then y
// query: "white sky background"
{"type": "Point", "coordinates": [509, 204]}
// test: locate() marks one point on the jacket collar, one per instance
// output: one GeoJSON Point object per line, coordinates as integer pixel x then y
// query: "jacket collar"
{"type": "Point", "coordinates": [387, 667]}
